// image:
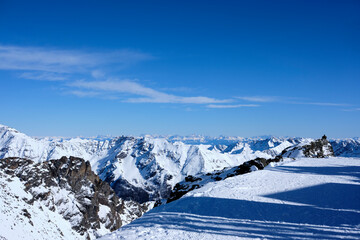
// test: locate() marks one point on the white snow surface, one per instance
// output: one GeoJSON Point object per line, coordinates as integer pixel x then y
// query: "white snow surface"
{"type": "Point", "coordinates": [307, 198]}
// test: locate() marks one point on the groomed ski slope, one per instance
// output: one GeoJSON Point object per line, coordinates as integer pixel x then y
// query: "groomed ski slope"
{"type": "Point", "coordinates": [303, 199]}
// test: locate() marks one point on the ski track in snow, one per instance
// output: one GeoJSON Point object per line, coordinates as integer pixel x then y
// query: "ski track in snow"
{"type": "Point", "coordinates": [303, 199]}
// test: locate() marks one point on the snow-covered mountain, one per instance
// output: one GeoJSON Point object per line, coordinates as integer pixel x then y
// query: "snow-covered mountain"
{"type": "Point", "coordinates": [346, 147]}
{"type": "Point", "coordinates": [146, 168]}
{"type": "Point", "coordinates": [305, 198]}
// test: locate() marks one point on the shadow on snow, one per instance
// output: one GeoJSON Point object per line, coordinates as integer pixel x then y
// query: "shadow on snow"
{"type": "Point", "coordinates": [332, 211]}
{"type": "Point", "coordinates": [243, 218]}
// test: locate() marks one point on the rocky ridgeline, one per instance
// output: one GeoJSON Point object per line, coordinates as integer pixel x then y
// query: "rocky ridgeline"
{"type": "Point", "coordinates": [192, 182]}
{"type": "Point", "coordinates": [317, 149]}
{"type": "Point", "coordinates": [69, 187]}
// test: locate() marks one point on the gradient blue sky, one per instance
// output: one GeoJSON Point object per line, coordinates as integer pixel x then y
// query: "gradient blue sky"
{"type": "Point", "coordinates": [246, 68]}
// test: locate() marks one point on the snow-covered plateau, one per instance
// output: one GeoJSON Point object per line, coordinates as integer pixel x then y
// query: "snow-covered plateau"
{"type": "Point", "coordinates": [226, 187]}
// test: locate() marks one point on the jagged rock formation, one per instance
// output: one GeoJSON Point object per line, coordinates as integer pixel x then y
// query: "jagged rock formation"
{"type": "Point", "coordinates": [315, 149]}
{"type": "Point", "coordinates": [69, 187]}
{"type": "Point", "coordinates": [192, 182]}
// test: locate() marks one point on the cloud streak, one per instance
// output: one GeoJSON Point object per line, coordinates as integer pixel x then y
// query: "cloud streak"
{"type": "Point", "coordinates": [261, 99]}
{"type": "Point", "coordinates": [231, 106]}
{"type": "Point", "coordinates": [43, 76]}
{"type": "Point", "coordinates": [322, 104]}
{"type": "Point", "coordinates": [268, 99]}
{"type": "Point", "coordinates": [64, 61]}
{"type": "Point", "coordinates": [145, 94]}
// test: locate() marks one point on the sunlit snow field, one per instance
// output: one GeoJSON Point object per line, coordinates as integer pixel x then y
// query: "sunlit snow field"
{"type": "Point", "coordinates": [303, 199]}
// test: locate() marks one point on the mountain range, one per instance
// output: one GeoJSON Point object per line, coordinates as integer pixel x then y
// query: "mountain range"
{"type": "Point", "coordinates": [147, 168]}
{"type": "Point", "coordinates": [127, 175]}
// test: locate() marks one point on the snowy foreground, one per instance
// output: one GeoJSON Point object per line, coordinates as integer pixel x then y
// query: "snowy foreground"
{"type": "Point", "coordinates": [303, 199]}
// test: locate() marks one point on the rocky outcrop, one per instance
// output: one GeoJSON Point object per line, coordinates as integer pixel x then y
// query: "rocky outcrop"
{"type": "Point", "coordinates": [71, 188]}
{"type": "Point", "coordinates": [315, 149]}
{"type": "Point", "coordinates": [192, 182]}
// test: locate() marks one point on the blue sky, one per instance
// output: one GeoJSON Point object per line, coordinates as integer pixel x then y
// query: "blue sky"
{"type": "Point", "coordinates": [246, 68]}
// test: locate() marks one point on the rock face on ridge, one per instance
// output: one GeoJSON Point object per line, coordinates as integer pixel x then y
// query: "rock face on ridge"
{"type": "Point", "coordinates": [319, 148]}
{"type": "Point", "coordinates": [192, 182]}
{"type": "Point", "coordinates": [69, 187]}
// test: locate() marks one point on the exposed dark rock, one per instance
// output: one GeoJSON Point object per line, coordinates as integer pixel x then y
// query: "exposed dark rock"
{"type": "Point", "coordinates": [191, 179]}
{"type": "Point", "coordinates": [127, 191]}
{"type": "Point", "coordinates": [188, 185]}
{"type": "Point", "coordinates": [26, 213]}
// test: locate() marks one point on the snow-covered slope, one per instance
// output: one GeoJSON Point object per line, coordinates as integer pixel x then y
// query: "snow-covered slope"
{"type": "Point", "coordinates": [20, 220]}
{"type": "Point", "coordinates": [309, 198]}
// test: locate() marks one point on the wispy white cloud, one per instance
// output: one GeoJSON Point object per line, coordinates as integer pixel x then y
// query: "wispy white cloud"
{"type": "Point", "coordinates": [178, 89]}
{"type": "Point", "coordinates": [64, 61]}
{"type": "Point", "coordinates": [83, 93]}
{"type": "Point", "coordinates": [145, 94]}
{"type": "Point", "coordinates": [231, 106]}
{"type": "Point", "coordinates": [351, 110]}
{"type": "Point", "coordinates": [43, 76]}
{"type": "Point", "coordinates": [330, 104]}
{"type": "Point", "coordinates": [97, 74]}
{"type": "Point", "coordinates": [285, 100]}
{"type": "Point", "coordinates": [259, 98]}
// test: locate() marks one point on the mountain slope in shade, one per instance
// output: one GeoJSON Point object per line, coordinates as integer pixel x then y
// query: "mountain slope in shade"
{"type": "Point", "coordinates": [346, 147]}
{"type": "Point", "coordinates": [309, 198]}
